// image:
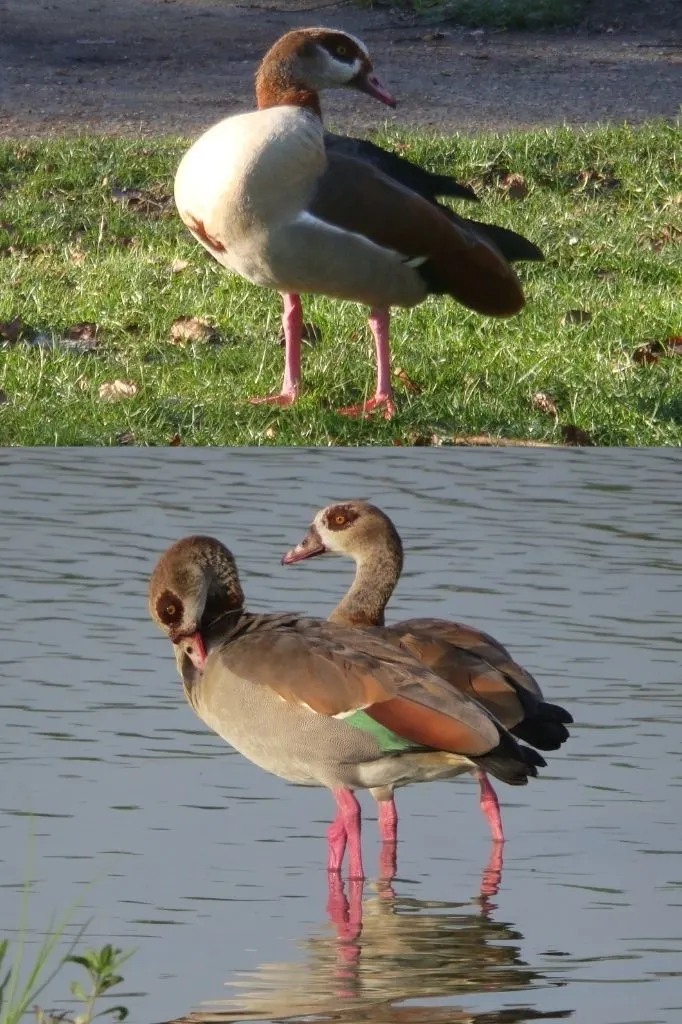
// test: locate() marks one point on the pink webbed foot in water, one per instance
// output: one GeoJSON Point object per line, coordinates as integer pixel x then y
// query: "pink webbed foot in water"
{"type": "Point", "coordinates": [491, 807]}
{"type": "Point", "coordinates": [344, 831]}
{"type": "Point", "coordinates": [292, 321]}
{"type": "Point", "coordinates": [379, 324]}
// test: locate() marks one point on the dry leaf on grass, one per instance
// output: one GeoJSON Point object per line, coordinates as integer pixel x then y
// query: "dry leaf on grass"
{"type": "Point", "coordinates": [82, 337]}
{"type": "Point", "coordinates": [652, 351]}
{"type": "Point", "coordinates": [192, 328]}
{"type": "Point", "coordinates": [407, 381]}
{"type": "Point", "coordinates": [543, 403]}
{"type": "Point", "coordinates": [597, 181]}
{"type": "Point", "coordinates": [77, 256]}
{"type": "Point", "coordinates": [576, 436]}
{"type": "Point", "coordinates": [669, 235]}
{"type": "Point", "coordinates": [143, 201]}
{"type": "Point", "coordinates": [11, 331]}
{"type": "Point", "coordinates": [576, 316]}
{"type": "Point", "coordinates": [115, 390]}
{"type": "Point", "coordinates": [177, 266]}
{"type": "Point", "coordinates": [175, 441]}
{"type": "Point", "coordinates": [514, 185]}
{"type": "Point", "coordinates": [83, 383]}
{"type": "Point", "coordinates": [126, 437]}
{"type": "Point", "coordinates": [271, 433]}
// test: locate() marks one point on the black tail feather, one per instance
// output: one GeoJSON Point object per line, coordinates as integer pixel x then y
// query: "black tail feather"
{"type": "Point", "coordinates": [511, 762]}
{"type": "Point", "coordinates": [544, 724]}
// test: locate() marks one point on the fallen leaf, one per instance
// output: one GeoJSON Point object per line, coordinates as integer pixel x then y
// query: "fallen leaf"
{"type": "Point", "coordinates": [77, 257]}
{"type": "Point", "coordinates": [543, 403]}
{"type": "Point", "coordinates": [82, 337]}
{"type": "Point", "coordinates": [192, 328]}
{"type": "Point", "coordinates": [576, 316]}
{"type": "Point", "coordinates": [83, 383]}
{"type": "Point", "coordinates": [126, 437]}
{"type": "Point", "coordinates": [648, 353]}
{"type": "Point", "coordinates": [175, 441]}
{"type": "Point", "coordinates": [419, 440]}
{"type": "Point", "coordinates": [114, 391]}
{"type": "Point", "coordinates": [271, 433]}
{"type": "Point", "coordinates": [11, 330]}
{"type": "Point", "coordinates": [669, 235]}
{"type": "Point", "coordinates": [407, 381]}
{"type": "Point", "coordinates": [576, 436]}
{"type": "Point", "coordinates": [177, 266]}
{"type": "Point", "coordinates": [514, 185]}
{"type": "Point", "coordinates": [674, 344]}
{"type": "Point", "coordinates": [597, 180]}
{"type": "Point", "coordinates": [143, 201]}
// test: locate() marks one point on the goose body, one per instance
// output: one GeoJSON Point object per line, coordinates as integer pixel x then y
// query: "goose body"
{"type": "Point", "coordinates": [277, 201]}
{"type": "Point", "coordinates": [467, 659]}
{"type": "Point", "coordinates": [314, 702]}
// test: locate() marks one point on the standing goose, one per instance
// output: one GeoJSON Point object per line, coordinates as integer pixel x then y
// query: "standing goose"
{"type": "Point", "coordinates": [270, 201]}
{"type": "Point", "coordinates": [314, 702]}
{"type": "Point", "coordinates": [471, 661]}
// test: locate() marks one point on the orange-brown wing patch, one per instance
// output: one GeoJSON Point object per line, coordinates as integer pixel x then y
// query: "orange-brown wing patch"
{"type": "Point", "coordinates": [353, 195]}
{"type": "Point", "coordinates": [428, 727]}
{"type": "Point", "coordinates": [198, 228]}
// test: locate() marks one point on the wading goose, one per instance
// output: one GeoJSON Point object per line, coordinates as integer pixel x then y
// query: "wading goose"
{"type": "Point", "coordinates": [315, 702]}
{"type": "Point", "coordinates": [270, 201]}
{"type": "Point", "coordinates": [469, 660]}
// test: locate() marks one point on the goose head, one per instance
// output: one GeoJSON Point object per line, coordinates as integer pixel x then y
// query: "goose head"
{"type": "Point", "coordinates": [352, 528]}
{"type": "Point", "coordinates": [307, 60]}
{"type": "Point", "coordinates": [194, 582]}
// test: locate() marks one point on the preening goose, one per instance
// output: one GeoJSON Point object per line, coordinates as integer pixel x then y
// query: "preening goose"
{"type": "Point", "coordinates": [469, 660]}
{"type": "Point", "coordinates": [315, 702]}
{"type": "Point", "coordinates": [271, 201]}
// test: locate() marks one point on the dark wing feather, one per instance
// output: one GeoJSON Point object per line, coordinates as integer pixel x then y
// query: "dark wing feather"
{"type": "Point", "coordinates": [459, 261]}
{"type": "Point", "coordinates": [417, 179]}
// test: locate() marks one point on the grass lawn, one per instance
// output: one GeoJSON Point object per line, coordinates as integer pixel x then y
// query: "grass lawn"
{"type": "Point", "coordinates": [75, 247]}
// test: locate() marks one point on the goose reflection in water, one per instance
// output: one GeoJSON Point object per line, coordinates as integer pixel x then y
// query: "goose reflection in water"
{"type": "Point", "coordinates": [385, 949]}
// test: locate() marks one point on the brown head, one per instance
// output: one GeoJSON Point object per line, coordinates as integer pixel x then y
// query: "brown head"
{"type": "Point", "coordinates": [194, 582]}
{"type": "Point", "coordinates": [307, 60]}
{"type": "Point", "coordinates": [353, 528]}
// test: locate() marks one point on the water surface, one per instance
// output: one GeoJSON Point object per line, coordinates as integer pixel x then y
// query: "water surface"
{"type": "Point", "coordinates": [114, 795]}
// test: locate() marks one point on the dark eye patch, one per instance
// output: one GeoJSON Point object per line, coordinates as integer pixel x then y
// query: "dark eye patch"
{"type": "Point", "coordinates": [169, 608]}
{"type": "Point", "coordinates": [341, 48]}
{"type": "Point", "coordinates": [340, 517]}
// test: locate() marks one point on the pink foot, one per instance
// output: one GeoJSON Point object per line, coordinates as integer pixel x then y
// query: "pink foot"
{"type": "Point", "coordinates": [285, 398]}
{"type": "Point", "coordinates": [384, 402]}
{"type": "Point", "coordinates": [348, 817]}
{"type": "Point", "coordinates": [491, 807]}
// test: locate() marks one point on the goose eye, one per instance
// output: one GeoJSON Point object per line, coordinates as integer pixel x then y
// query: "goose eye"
{"type": "Point", "coordinates": [170, 610]}
{"type": "Point", "coordinates": [339, 520]}
{"type": "Point", "coordinates": [341, 51]}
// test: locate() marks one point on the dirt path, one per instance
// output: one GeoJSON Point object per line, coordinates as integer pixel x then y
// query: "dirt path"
{"type": "Point", "coordinates": [175, 66]}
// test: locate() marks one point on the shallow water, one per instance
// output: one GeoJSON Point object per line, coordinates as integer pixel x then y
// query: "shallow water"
{"type": "Point", "coordinates": [114, 795]}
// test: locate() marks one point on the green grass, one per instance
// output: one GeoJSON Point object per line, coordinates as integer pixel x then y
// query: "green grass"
{"type": "Point", "coordinates": [605, 205]}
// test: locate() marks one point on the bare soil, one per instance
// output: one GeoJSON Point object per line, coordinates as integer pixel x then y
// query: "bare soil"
{"type": "Point", "coordinates": [176, 66]}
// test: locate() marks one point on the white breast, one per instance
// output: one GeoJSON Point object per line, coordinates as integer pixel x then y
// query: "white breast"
{"type": "Point", "coordinates": [246, 174]}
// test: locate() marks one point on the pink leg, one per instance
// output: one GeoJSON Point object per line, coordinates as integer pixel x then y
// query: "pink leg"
{"type": "Point", "coordinates": [388, 827]}
{"type": "Point", "coordinates": [379, 324]}
{"type": "Point", "coordinates": [349, 814]}
{"type": "Point", "coordinates": [492, 875]}
{"type": "Point", "coordinates": [336, 838]}
{"type": "Point", "coordinates": [491, 807]}
{"type": "Point", "coordinates": [292, 320]}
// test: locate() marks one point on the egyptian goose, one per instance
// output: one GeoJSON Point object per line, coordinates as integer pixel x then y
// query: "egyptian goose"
{"type": "Point", "coordinates": [466, 658]}
{"type": "Point", "coordinates": [271, 202]}
{"type": "Point", "coordinates": [315, 702]}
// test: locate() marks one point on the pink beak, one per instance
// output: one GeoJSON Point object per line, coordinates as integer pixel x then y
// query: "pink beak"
{"type": "Point", "coordinates": [194, 648]}
{"type": "Point", "coordinates": [373, 86]}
